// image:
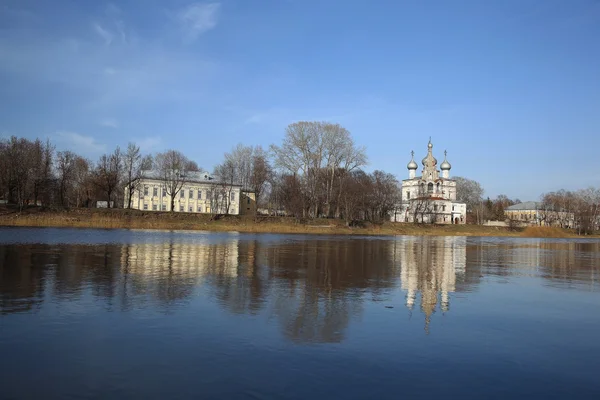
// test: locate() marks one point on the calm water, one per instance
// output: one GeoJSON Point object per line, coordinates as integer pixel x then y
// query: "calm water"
{"type": "Point", "coordinates": [165, 315]}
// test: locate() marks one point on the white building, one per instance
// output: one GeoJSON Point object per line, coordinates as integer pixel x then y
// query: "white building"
{"type": "Point", "coordinates": [199, 193]}
{"type": "Point", "coordinates": [431, 197]}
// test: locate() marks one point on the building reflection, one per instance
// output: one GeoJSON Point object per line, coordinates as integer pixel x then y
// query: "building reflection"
{"type": "Point", "coordinates": [311, 288]}
{"type": "Point", "coordinates": [430, 268]}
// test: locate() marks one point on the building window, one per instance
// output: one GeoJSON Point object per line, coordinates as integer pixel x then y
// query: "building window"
{"type": "Point", "coordinates": [191, 209]}
{"type": "Point", "coordinates": [164, 207]}
{"type": "Point", "coordinates": [199, 194]}
{"type": "Point", "coordinates": [452, 208]}
{"type": "Point", "coordinates": [438, 188]}
{"type": "Point", "coordinates": [155, 192]}
{"type": "Point", "coordinates": [181, 207]}
{"type": "Point", "coordinates": [444, 209]}
{"type": "Point", "coordinates": [145, 190]}
{"type": "Point", "coordinates": [145, 206]}
{"type": "Point", "coordinates": [435, 207]}
{"type": "Point", "coordinates": [164, 192]}
{"type": "Point", "coordinates": [232, 196]}
{"type": "Point", "coordinates": [154, 207]}
{"type": "Point", "coordinates": [430, 187]}
{"type": "Point", "coordinates": [182, 194]}
{"type": "Point", "coordinates": [191, 194]}
{"type": "Point", "coordinates": [199, 208]}
{"type": "Point", "coordinates": [248, 200]}
{"type": "Point", "coordinates": [408, 195]}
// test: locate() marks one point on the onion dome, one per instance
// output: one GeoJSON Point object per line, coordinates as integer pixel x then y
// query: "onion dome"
{"type": "Point", "coordinates": [429, 160]}
{"type": "Point", "coordinates": [412, 164]}
{"type": "Point", "coordinates": [445, 165]}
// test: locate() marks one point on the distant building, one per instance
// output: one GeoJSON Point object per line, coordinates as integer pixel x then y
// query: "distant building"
{"type": "Point", "coordinates": [200, 193]}
{"type": "Point", "coordinates": [431, 197]}
{"type": "Point", "coordinates": [534, 213]}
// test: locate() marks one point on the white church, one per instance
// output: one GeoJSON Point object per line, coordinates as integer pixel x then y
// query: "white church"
{"type": "Point", "coordinates": [431, 197]}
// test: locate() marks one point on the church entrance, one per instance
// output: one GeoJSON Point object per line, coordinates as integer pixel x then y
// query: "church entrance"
{"type": "Point", "coordinates": [455, 221]}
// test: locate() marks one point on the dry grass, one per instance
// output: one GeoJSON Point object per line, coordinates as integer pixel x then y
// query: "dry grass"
{"type": "Point", "coordinates": [135, 219]}
{"type": "Point", "coordinates": [545, 232]}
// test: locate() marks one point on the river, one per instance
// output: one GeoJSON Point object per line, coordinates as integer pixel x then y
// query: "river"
{"type": "Point", "coordinates": [111, 314]}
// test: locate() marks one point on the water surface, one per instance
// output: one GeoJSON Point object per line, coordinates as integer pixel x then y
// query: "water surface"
{"type": "Point", "coordinates": [147, 314]}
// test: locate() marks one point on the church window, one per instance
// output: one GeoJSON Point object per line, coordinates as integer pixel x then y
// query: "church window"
{"type": "Point", "coordinates": [438, 188]}
{"type": "Point", "coordinates": [430, 187]}
{"type": "Point", "coordinates": [408, 194]}
{"type": "Point", "coordinates": [435, 207]}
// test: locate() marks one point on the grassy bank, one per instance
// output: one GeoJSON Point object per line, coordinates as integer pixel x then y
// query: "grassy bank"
{"type": "Point", "coordinates": [135, 219]}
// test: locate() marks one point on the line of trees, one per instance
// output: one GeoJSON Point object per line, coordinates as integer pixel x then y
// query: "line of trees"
{"type": "Point", "coordinates": [316, 171]}
{"type": "Point", "coordinates": [572, 209]}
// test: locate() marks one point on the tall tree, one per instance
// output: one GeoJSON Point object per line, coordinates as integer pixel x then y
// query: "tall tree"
{"type": "Point", "coordinates": [172, 166]}
{"type": "Point", "coordinates": [108, 173]}
{"type": "Point", "coordinates": [65, 166]}
{"type": "Point", "coordinates": [471, 192]}
{"type": "Point", "coordinates": [132, 163]}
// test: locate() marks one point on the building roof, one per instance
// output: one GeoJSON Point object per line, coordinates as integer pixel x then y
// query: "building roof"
{"type": "Point", "coordinates": [191, 176]}
{"type": "Point", "coordinates": [527, 205]}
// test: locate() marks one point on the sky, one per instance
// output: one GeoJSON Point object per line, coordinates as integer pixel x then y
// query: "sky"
{"type": "Point", "coordinates": [511, 89]}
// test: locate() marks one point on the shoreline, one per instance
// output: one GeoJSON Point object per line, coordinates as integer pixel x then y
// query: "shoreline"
{"type": "Point", "coordinates": [135, 219]}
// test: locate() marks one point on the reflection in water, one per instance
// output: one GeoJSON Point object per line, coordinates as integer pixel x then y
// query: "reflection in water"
{"type": "Point", "coordinates": [431, 267]}
{"type": "Point", "coordinates": [312, 287]}
{"type": "Point", "coordinates": [133, 314]}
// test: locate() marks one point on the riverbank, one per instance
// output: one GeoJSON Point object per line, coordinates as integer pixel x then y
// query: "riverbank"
{"type": "Point", "coordinates": [135, 219]}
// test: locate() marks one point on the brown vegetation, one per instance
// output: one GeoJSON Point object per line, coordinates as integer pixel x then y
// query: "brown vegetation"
{"type": "Point", "coordinates": [134, 219]}
{"type": "Point", "coordinates": [545, 232]}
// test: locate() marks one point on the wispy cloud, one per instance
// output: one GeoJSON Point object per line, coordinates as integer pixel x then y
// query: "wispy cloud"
{"type": "Point", "coordinates": [80, 144]}
{"type": "Point", "coordinates": [198, 18]}
{"type": "Point", "coordinates": [110, 123]}
{"type": "Point", "coordinates": [103, 33]}
{"type": "Point", "coordinates": [149, 144]}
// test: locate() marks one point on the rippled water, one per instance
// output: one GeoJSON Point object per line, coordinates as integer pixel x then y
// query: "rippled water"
{"type": "Point", "coordinates": [146, 314]}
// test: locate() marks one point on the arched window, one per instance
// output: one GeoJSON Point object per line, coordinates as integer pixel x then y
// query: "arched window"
{"type": "Point", "coordinates": [430, 187]}
{"type": "Point", "coordinates": [438, 187]}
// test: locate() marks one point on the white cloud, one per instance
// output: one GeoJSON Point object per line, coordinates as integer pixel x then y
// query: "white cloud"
{"type": "Point", "coordinates": [198, 18]}
{"type": "Point", "coordinates": [148, 144]}
{"type": "Point", "coordinates": [80, 144]}
{"type": "Point", "coordinates": [110, 123]}
{"type": "Point", "coordinates": [103, 33]}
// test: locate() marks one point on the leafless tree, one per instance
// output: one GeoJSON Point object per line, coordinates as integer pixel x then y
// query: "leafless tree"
{"type": "Point", "coordinates": [65, 167]}
{"type": "Point", "coordinates": [226, 175]}
{"type": "Point", "coordinates": [260, 176]}
{"type": "Point", "coordinates": [172, 166]}
{"type": "Point", "coordinates": [471, 192]}
{"type": "Point", "coordinates": [132, 163]}
{"type": "Point", "coordinates": [108, 173]}
{"type": "Point", "coordinates": [315, 152]}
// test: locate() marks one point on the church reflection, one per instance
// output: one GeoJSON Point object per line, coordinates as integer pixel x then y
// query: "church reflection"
{"type": "Point", "coordinates": [311, 288]}
{"type": "Point", "coordinates": [431, 267]}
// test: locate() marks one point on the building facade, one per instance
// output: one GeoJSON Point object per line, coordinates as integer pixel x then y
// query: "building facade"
{"type": "Point", "coordinates": [534, 213]}
{"type": "Point", "coordinates": [431, 197]}
{"type": "Point", "coordinates": [199, 193]}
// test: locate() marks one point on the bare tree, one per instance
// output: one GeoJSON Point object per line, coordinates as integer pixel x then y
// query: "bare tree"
{"type": "Point", "coordinates": [172, 166]}
{"type": "Point", "coordinates": [315, 152]}
{"type": "Point", "coordinates": [471, 192]}
{"type": "Point", "coordinates": [260, 176]}
{"type": "Point", "coordinates": [108, 173]}
{"type": "Point", "coordinates": [132, 163]}
{"type": "Point", "coordinates": [226, 173]}
{"type": "Point", "coordinates": [65, 167]}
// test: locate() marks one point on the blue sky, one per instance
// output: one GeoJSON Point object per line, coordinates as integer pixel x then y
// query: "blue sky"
{"type": "Point", "coordinates": [510, 88]}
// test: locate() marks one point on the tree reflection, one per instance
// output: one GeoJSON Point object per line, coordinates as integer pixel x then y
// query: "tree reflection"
{"type": "Point", "coordinates": [313, 288]}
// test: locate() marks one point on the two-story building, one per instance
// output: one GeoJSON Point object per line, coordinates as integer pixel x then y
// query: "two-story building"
{"type": "Point", "coordinates": [199, 192]}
